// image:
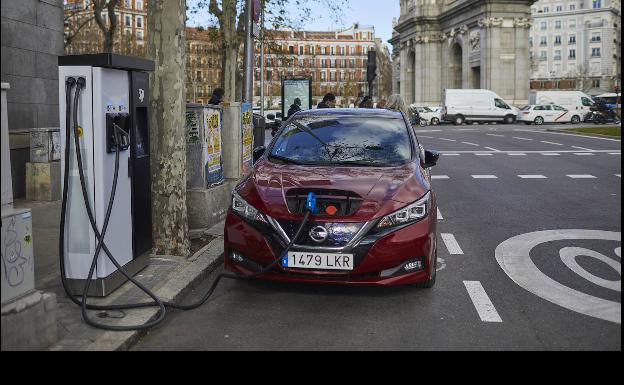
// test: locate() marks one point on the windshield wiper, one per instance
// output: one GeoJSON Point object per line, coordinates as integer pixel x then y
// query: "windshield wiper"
{"type": "Point", "coordinates": [284, 159]}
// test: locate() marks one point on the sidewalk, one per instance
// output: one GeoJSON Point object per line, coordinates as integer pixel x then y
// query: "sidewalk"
{"type": "Point", "coordinates": [171, 278]}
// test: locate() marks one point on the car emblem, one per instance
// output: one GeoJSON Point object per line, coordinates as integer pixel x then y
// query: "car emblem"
{"type": "Point", "coordinates": [319, 234]}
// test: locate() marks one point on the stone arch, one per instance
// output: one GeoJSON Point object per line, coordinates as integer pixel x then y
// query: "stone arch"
{"type": "Point", "coordinates": [410, 86]}
{"type": "Point", "coordinates": [456, 55]}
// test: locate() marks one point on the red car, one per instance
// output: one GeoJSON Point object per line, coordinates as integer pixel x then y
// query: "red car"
{"type": "Point", "coordinates": [375, 215]}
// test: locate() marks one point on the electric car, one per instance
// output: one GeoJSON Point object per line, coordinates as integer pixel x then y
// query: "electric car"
{"type": "Point", "coordinates": [364, 178]}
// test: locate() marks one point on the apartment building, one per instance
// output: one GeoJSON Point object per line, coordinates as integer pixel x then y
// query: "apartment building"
{"type": "Point", "coordinates": [204, 62]}
{"type": "Point", "coordinates": [335, 60]}
{"type": "Point", "coordinates": [83, 35]}
{"type": "Point", "coordinates": [576, 45]}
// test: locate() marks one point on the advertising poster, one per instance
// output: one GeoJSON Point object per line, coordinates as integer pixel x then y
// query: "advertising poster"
{"type": "Point", "coordinates": [296, 88]}
{"type": "Point", "coordinates": [248, 137]}
{"type": "Point", "coordinates": [212, 145]}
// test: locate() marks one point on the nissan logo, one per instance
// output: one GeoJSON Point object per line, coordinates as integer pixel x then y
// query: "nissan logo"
{"type": "Point", "coordinates": [319, 234]}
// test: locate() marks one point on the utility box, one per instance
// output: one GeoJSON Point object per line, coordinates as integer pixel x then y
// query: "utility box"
{"type": "Point", "coordinates": [45, 145]}
{"type": "Point", "coordinates": [204, 155]}
{"type": "Point", "coordinates": [18, 264]}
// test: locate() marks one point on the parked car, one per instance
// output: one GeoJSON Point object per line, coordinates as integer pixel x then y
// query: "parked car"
{"type": "Point", "coordinates": [575, 101]}
{"type": "Point", "coordinates": [548, 113]}
{"type": "Point", "coordinates": [427, 113]}
{"type": "Point", "coordinates": [376, 218]}
{"type": "Point", "coordinates": [467, 106]}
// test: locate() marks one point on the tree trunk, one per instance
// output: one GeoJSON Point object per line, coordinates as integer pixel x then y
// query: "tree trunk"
{"type": "Point", "coordinates": [168, 94]}
{"type": "Point", "coordinates": [230, 48]}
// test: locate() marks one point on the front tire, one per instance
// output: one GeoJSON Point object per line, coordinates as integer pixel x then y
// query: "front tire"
{"type": "Point", "coordinates": [459, 120]}
{"type": "Point", "coordinates": [509, 119]}
{"type": "Point", "coordinates": [435, 121]}
{"type": "Point", "coordinates": [539, 121]}
{"type": "Point", "coordinates": [576, 119]}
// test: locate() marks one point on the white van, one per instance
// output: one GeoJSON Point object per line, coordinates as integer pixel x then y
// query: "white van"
{"type": "Point", "coordinates": [574, 101]}
{"type": "Point", "coordinates": [462, 106]}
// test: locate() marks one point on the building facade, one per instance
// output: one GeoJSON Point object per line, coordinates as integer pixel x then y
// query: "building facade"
{"type": "Point", "coordinates": [204, 61]}
{"type": "Point", "coordinates": [576, 45]}
{"type": "Point", "coordinates": [335, 60]}
{"type": "Point", "coordinates": [447, 44]}
{"type": "Point", "coordinates": [83, 35]}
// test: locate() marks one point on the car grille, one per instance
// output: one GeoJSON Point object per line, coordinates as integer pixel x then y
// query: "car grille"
{"type": "Point", "coordinates": [339, 234]}
{"type": "Point", "coordinates": [345, 203]}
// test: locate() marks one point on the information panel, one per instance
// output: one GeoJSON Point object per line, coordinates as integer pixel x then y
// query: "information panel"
{"type": "Point", "coordinates": [296, 88]}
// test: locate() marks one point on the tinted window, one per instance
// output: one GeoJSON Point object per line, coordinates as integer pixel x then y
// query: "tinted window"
{"type": "Point", "coordinates": [557, 108]}
{"type": "Point", "coordinates": [343, 140]}
{"type": "Point", "coordinates": [587, 102]}
{"type": "Point", "coordinates": [539, 108]}
{"type": "Point", "coordinates": [501, 104]}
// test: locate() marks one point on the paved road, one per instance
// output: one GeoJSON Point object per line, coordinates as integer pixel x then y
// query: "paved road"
{"type": "Point", "coordinates": [530, 248]}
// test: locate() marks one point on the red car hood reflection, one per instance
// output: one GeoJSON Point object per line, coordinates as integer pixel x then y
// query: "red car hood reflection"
{"type": "Point", "coordinates": [384, 190]}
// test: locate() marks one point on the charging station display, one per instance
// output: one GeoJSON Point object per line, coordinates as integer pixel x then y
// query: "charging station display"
{"type": "Point", "coordinates": [299, 88]}
{"type": "Point", "coordinates": [248, 137]}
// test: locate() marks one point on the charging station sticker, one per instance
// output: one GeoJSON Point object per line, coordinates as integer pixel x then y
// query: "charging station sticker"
{"type": "Point", "coordinates": [80, 131]}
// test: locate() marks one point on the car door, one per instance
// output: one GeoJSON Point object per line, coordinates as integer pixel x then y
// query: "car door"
{"type": "Point", "coordinates": [501, 109]}
{"type": "Point", "coordinates": [561, 115]}
{"type": "Point", "coordinates": [549, 114]}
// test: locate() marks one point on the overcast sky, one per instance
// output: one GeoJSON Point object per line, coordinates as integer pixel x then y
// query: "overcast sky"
{"type": "Point", "coordinates": [378, 13]}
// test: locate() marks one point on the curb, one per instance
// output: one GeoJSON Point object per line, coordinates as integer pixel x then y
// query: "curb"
{"type": "Point", "coordinates": [202, 264]}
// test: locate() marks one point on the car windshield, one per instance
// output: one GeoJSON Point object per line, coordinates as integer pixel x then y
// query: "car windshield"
{"type": "Point", "coordinates": [526, 108]}
{"type": "Point", "coordinates": [344, 140]}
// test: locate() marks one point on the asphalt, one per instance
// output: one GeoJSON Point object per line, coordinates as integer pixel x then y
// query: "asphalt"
{"type": "Point", "coordinates": [481, 214]}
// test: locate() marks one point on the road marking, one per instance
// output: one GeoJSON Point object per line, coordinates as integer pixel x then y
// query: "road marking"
{"type": "Point", "coordinates": [527, 139]}
{"type": "Point", "coordinates": [496, 135]}
{"type": "Point", "coordinates": [484, 177]}
{"type": "Point", "coordinates": [615, 153]}
{"type": "Point", "coordinates": [440, 217]}
{"type": "Point", "coordinates": [513, 256]}
{"type": "Point", "coordinates": [471, 144]}
{"type": "Point", "coordinates": [448, 140]}
{"type": "Point", "coordinates": [517, 154]}
{"type": "Point", "coordinates": [484, 154]}
{"type": "Point", "coordinates": [581, 176]}
{"type": "Point", "coordinates": [533, 177]}
{"type": "Point", "coordinates": [618, 175]}
{"type": "Point", "coordinates": [450, 154]}
{"type": "Point", "coordinates": [551, 154]}
{"type": "Point", "coordinates": [566, 134]}
{"type": "Point", "coordinates": [584, 154]}
{"type": "Point", "coordinates": [426, 137]}
{"type": "Point", "coordinates": [493, 149]}
{"type": "Point", "coordinates": [482, 302]}
{"type": "Point", "coordinates": [556, 144]}
{"type": "Point", "coordinates": [582, 148]}
{"type": "Point", "coordinates": [451, 244]}
{"type": "Point", "coordinates": [440, 177]}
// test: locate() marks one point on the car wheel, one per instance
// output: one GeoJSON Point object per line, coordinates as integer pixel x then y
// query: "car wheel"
{"type": "Point", "coordinates": [430, 283]}
{"type": "Point", "coordinates": [458, 120]}
{"type": "Point", "coordinates": [539, 121]}
{"type": "Point", "coordinates": [435, 121]}
{"type": "Point", "coordinates": [509, 119]}
{"type": "Point", "coordinates": [576, 119]}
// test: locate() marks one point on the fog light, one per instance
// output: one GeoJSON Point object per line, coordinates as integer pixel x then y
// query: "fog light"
{"type": "Point", "coordinates": [238, 258]}
{"type": "Point", "coordinates": [418, 264]}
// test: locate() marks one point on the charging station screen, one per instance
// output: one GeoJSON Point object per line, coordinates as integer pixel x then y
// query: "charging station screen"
{"type": "Point", "coordinates": [293, 89]}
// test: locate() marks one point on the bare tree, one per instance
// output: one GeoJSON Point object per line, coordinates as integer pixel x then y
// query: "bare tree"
{"type": "Point", "coordinates": [107, 30]}
{"type": "Point", "coordinates": [74, 24]}
{"type": "Point", "coordinates": [167, 46]}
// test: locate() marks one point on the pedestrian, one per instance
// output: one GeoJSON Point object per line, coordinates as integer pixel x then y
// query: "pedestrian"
{"type": "Point", "coordinates": [294, 108]}
{"type": "Point", "coordinates": [367, 102]}
{"type": "Point", "coordinates": [397, 103]}
{"type": "Point", "coordinates": [217, 97]}
{"type": "Point", "coordinates": [329, 101]}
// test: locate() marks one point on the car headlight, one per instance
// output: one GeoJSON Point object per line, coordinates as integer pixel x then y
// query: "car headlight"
{"type": "Point", "coordinates": [412, 213]}
{"type": "Point", "coordinates": [244, 209]}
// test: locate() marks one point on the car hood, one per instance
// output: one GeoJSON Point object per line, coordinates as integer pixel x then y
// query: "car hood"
{"type": "Point", "coordinates": [383, 189]}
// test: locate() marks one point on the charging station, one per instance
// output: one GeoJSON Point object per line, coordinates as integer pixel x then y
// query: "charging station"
{"type": "Point", "coordinates": [111, 119]}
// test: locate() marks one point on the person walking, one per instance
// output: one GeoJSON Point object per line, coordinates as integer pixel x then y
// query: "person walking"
{"type": "Point", "coordinates": [367, 102]}
{"type": "Point", "coordinates": [329, 101]}
{"type": "Point", "coordinates": [217, 97]}
{"type": "Point", "coordinates": [294, 108]}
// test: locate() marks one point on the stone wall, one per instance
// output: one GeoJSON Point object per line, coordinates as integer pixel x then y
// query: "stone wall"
{"type": "Point", "coordinates": [32, 40]}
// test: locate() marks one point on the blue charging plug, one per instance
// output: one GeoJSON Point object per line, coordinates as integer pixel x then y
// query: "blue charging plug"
{"type": "Point", "coordinates": [311, 203]}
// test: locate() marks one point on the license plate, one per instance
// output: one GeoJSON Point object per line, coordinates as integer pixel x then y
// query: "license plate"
{"type": "Point", "coordinates": [318, 261]}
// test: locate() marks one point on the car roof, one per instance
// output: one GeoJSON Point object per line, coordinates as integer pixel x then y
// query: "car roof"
{"type": "Point", "coordinates": [351, 112]}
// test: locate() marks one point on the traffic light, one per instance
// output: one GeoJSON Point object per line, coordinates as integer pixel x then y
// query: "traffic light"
{"type": "Point", "coordinates": [371, 68]}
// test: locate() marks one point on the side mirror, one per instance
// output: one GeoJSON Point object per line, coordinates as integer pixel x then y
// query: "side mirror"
{"type": "Point", "coordinates": [431, 158]}
{"type": "Point", "coordinates": [271, 116]}
{"type": "Point", "coordinates": [258, 152]}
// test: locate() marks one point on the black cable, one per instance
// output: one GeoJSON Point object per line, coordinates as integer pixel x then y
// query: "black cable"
{"type": "Point", "coordinates": [101, 245]}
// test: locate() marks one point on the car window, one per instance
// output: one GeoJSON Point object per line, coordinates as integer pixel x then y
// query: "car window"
{"type": "Point", "coordinates": [427, 109]}
{"type": "Point", "coordinates": [501, 104]}
{"type": "Point", "coordinates": [539, 108]}
{"type": "Point", "coordinates": [558, 108]}
{"type": "Point", "coordinates": [526, 108]}
{"type": "Point", "coordinates": [547, 108]}
{"type": "Point", "coordinates": [586, 102]}
{"type": "Point", "coordinates": [343, 140]}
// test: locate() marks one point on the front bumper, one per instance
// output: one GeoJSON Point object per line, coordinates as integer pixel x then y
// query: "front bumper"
{"type": "Point", "coordinates": [379, 257]}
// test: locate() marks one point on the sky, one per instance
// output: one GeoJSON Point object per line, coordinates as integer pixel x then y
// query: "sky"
{"type": "Point", "coordinates": [378, 13]}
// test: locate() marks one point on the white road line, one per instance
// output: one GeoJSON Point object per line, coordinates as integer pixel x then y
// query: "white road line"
{"type": "Point", "coordinates": [553, 143]}
{"type": "Point", "coordinates": [527, 139]}
{"type": "Point", "coordinates": [493, 149]}
{"type": "Point", "coordinates": [450, 154]}
{"type": "Point", "coordinates": [440, 217]}
{"type": "Point", "coordinates": [517, 154]}
{"type": "Point", "coordinates": [451, 244]}
{"type": "Point", "coordinates": [426, 137]}
{"type": "Point", "coordinates": [566, 134]}
{"type": "Point", "coordinates": [551, 154]}
{"type": "Point", "coordinates": [471, 144]}
{"type": "Point", "coordinates": [581, 176]}
{"type": "Point", "coordinates": [526, 152]}
{"type": "Point", "coordinates": [484, 177]}
{"type": "Point", "coordinates": [533, 177]}
{"type": "Point", "coordinates": [448, 140]}
{"type": "Point", "coordinates": [484, 154]}
{"type": "Point", "coordinates": [618, 175]}
{"type": "Point", "coordinates": [615, 153]}
{"type": "Point", "coordinates": [584, 154]}
{"type": "Point", "coordinates": [482, 302]}
{"type": "Point", "coordinates": [440, 177]}
{"type": "Point", "coordinates": [498, 136]}
{"type": "Point", "coordinates": [582, 148]}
